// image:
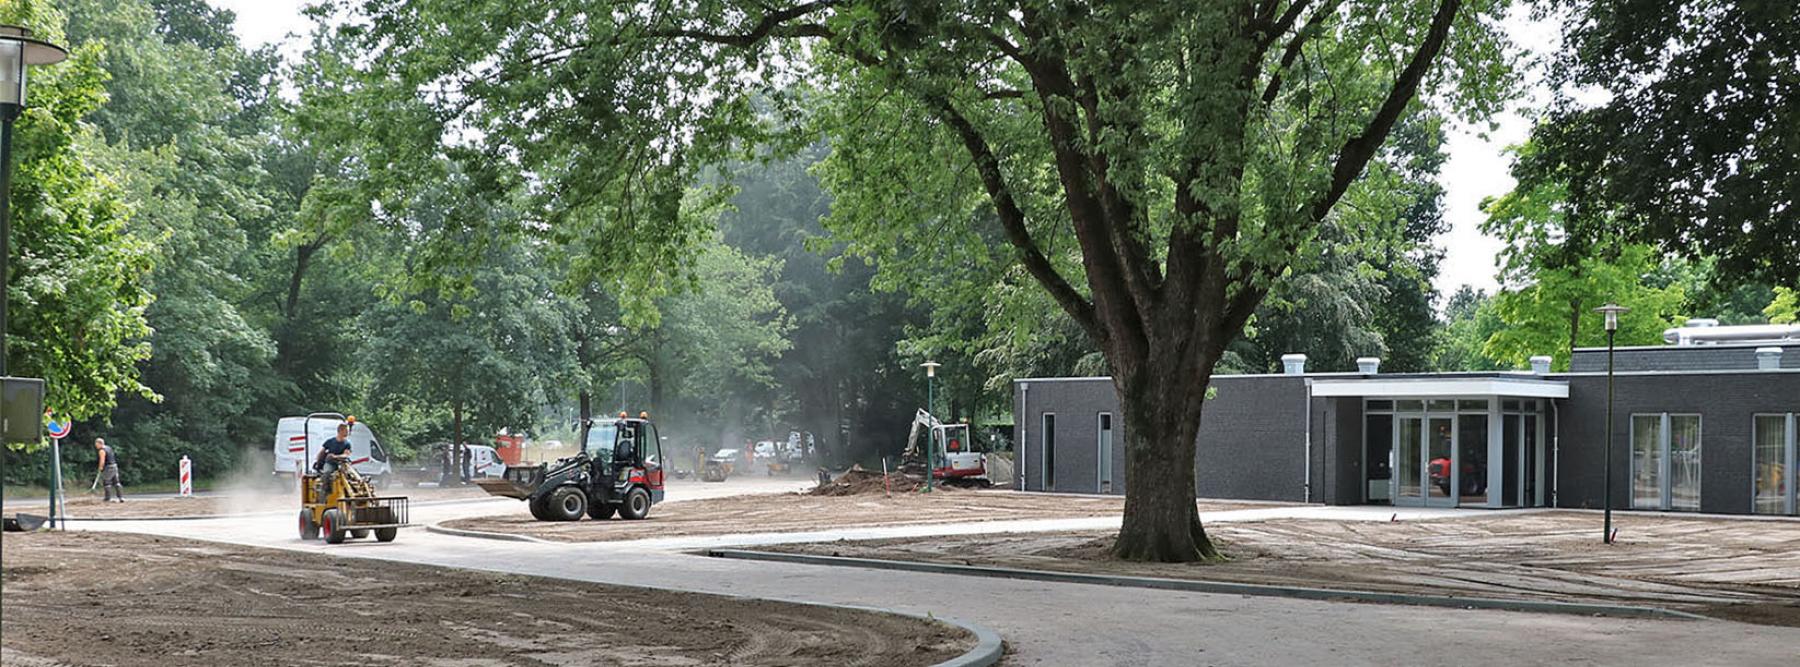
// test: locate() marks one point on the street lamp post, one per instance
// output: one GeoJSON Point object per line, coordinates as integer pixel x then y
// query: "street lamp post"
{"type": "Point", "coordinates": [17, 52]}
{"type": "Point", "coordinates": [1612, 311]}
{"type": "Point", "coordinates": [930, 438]}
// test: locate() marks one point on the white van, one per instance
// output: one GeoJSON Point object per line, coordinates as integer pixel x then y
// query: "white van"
{"type": "Point", "coordinates": [484, 461]}
{"type": "Point", "coordinates": [297, 441]}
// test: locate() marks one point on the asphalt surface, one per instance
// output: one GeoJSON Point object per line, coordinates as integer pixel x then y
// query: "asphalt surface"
{"type": "Point", "coordinates": [1064, 624]}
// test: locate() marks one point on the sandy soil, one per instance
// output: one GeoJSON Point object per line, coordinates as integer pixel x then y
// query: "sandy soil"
{"type": "Point", "coordinates": [120, 599]}
{"type": "Point", "coordinates": [225, 502]}
{"type": "Point", "coordinates": [786, 513]}
{"type": "Point", "coordinates": [1739, 569]}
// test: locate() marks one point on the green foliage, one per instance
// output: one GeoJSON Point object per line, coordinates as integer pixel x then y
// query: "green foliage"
{"type": "Point", "coordinates": [1686, 152]}
{"type": "Point", "coordinates": [1552, 315]}
{"type": "Point", "coordinates": [1470, 320]}
{"type": "Point", "coordinates": [77, 280]}
{"type": "Point", "coordinates": [1785, 308]}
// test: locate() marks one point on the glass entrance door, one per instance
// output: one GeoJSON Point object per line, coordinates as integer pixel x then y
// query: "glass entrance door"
{"type": "Point", "coordinates": [1425, 460]}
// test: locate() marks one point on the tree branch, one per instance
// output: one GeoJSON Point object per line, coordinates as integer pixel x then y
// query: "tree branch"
{"type": "Point", "coordinates": [1358, 150]}
{"type": "Point", "coordinates": [1292, 51]}
{"type": "Point", "coordinates": [771, 24]}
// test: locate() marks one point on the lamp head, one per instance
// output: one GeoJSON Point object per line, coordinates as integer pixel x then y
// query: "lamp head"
{"type": "Point", "coordinates": [19, 51]}
{"type": "Point", "coordinates": [1612, 311]}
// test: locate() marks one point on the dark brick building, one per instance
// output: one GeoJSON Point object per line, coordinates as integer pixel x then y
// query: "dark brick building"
{"type": "Point", "coordinates": [1707, 428]}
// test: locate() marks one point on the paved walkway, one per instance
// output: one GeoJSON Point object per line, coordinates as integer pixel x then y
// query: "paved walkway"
{"type": "Point", "coordinates": [1078, 624]}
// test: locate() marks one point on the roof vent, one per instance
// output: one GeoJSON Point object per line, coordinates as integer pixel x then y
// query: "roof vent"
{"type": "Point", "coordinates": [1540, 365]}
{"type": "Point", "coordinates": [1368, 365]}
{"type": "Point", "coordinates": [1293, 364]}
{"type": "Point", "coordinates": [1700, 322]}
{"type": "Point", "coordinates": [1768, 358]}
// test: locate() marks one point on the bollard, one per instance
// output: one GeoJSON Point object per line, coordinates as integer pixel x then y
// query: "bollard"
{"type": "Point", "coordinates": [187, 477]}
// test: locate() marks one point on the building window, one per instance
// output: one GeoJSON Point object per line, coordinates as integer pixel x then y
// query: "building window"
{"type": "Point", "coordinates": [1665, 461]}
{"type": "Point", "coordinates": [1049, 458]}
{"type": "Point", "coordinates": [1104, 453]}
{"type": "Point", "coordinates": [1773, 464]}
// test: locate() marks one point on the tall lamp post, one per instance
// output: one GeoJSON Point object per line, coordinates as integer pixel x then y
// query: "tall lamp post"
{"type": "Point", "coordinates": [17, 52]}
{"type": "Point", "coordinates": [930, 438]}
{"type": "Point", "coordinates": [1612, 311]}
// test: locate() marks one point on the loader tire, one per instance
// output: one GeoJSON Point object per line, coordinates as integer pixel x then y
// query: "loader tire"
{"type": "Point", "coordinates": [308, 529]}
{"type": "Point", "coordinates": [360, 533]}
{"type": "Point", "coordinates": [538, 507]}
{"type": "Point", "coordinates": [333, 526]}
{"type": "Point", "coordinates": [636, 505]}
{"type": "Point", "coordinates": [601, 511]}
{"type": "Point", "coordinates": [386, 534]}
{"type": "Point", "coordinates": [567, 504]}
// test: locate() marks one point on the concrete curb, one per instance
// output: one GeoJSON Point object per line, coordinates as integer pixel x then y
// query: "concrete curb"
{"type": "Point", "coordinates": [484, 535]}
{"type": "Point", "coordinates": [1227, 588]}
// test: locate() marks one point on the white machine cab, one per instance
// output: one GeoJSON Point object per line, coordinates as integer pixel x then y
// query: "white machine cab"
{"type": "Point", "coordinates": [297, 441]}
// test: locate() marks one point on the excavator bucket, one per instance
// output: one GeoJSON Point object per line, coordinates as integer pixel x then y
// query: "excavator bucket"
{"type": "Point", "coordinates": [517, 483]}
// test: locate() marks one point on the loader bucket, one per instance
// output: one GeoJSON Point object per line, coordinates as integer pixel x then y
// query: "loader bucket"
{"type": "Point", "coordinates": [518, 483]}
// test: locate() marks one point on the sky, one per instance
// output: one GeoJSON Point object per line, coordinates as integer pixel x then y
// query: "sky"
{"type": "Point", "coordinates": [1476, 169]}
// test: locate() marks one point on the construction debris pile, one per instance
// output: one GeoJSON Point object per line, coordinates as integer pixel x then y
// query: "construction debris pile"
{"type": "Point", "coordinates": [856, 482]}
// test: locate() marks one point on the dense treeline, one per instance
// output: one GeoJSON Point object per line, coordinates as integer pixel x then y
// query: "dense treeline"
{"type": "Point", "coordinates": [211, 238]}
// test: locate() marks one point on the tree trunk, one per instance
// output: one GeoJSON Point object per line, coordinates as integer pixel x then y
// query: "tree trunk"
{"type": "Point", "coordinates": [1162, 420]}
{"type": "Point", "coordinates": [462, 453]}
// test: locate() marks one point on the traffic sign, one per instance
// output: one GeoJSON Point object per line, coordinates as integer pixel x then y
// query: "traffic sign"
{"type": "Point", "coordinates": [58, 429]}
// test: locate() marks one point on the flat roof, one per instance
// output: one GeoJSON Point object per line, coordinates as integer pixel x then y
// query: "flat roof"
{"type": "Point", "coordinates": [1378, 386]}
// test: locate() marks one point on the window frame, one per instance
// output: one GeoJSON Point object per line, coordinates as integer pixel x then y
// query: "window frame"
{"type": "Point", "coordinates": [1665, 436]}
{"type": "Point", "coordinates": [1047, 446]}
{"type": "Point", "coordinates": [1790, 441]}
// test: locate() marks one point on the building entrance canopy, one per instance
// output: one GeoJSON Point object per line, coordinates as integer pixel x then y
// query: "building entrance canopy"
{"type": "Point", "coordinates": [1451, 441]}
{"type": "Point", "coordinates": [1439, 385]}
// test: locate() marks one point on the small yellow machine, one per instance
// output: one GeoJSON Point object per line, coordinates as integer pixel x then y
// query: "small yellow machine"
{"type": "Point", "coordinates": [349, 507]}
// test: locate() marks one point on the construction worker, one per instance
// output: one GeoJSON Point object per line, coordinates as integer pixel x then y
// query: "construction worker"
{"type": "Point", "coordinates": [334, 453]}
{"type": "Point", "coordinates": [108, 471]}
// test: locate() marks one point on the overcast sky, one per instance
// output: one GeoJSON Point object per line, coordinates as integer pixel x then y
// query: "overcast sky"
{"type": "Point", "coordinates": [1477, 168]}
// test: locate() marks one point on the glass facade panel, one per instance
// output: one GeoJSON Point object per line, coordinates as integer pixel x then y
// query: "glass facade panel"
{"type": "Point", "coordinates": [1444, 405]}
{"type": "Point", "coordinates": [1373, 406]}
{"type": "Point", "coordinates": [1378, 439]}
{"type": "Point", "coordinates": [1510, 452]}
{"type": "Point", "coordinates": [1684, 462]}
{"type": "Point", "coordinates": [1646, 461]}
{"type": "Point", "coordinates": [1773, 479]}
{"type": "Point", "coordinates": [1409, 406]}
{"type": "Point", "coordinates": [1408, 458]}
{"type": "Point", "coordinates": [1440, 463]}
{"type": "Point", "coordinates": [1466, 405]}
{"type": "Point", "coordinates": [1049, 435]}
{"type": "Point", "coordinates": [1472, 458]}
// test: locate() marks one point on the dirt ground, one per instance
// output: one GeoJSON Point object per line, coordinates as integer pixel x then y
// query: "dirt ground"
{"type": "Point", "coordinates": [120, 599]}
{"type": "Point", "coordinates": [224, 502]}
{"type": "Point", "coordinates": [1738, 569]}
{"type": "Point", "coordinates": [798, 512]}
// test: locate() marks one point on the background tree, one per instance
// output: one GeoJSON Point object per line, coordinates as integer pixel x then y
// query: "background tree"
{"type": "Point", "coordinates": [1692, 150]}
{"type": "Point", "coordinates": [77, 282]}
{"type": "Point", "coordinates": [1173, 160]}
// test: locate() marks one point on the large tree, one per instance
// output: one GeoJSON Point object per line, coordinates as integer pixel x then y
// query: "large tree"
{"type": "Point", "coordinates": [1156, 167]}
{"type": "Point", "coordinates": [1694, 147]}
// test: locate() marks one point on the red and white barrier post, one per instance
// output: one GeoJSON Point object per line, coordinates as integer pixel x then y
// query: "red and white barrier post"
{"type": "Point", "coordinates": [187, 477]}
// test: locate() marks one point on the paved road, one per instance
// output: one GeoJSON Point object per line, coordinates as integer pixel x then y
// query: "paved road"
{"type": "Point", "coordinates": [1076, 624]}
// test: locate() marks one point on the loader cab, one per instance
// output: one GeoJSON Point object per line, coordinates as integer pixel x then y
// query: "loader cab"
{"type": "Point", "coordinates": [627, 450]}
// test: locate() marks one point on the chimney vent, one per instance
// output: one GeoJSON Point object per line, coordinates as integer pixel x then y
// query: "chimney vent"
{"type": "Point", "coordinates": [1368, 365]}
{"type": "Point", "coordinates": [1540, 365]}
{"type": "Point", "coordinates": [1293, 364]}
{"type": "Point", "coordinates": [1768, 358]}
